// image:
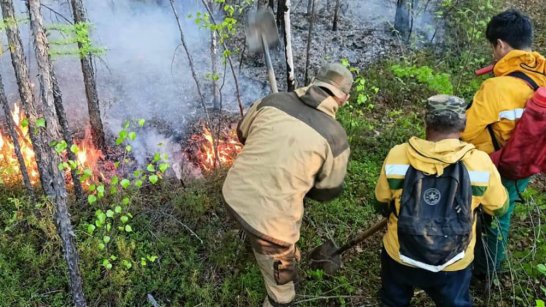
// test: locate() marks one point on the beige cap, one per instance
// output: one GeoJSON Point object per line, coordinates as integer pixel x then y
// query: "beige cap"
{"type": "Point", "coordinates": [335, 77]}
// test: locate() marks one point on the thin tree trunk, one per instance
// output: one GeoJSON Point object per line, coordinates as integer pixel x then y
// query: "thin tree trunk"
{"type": "Point", "coordinates": [61, 115]}
{"type": "Point", "coordinates": [309, 40]}
{"type": "Point", "coordinates": [13, 134]}
{"type": "Point", "coordinates": [58, 189]}
{"type": "Point", "coordinates": [214, 66]}
{"type": "Point", "coordinates": [402, 19]}
{"type": "Point", "coordinates": [93, 105]}
{"type": "Point", "coordinates": [309, 6]}
{"type": "Point", "coordinates": [290, 78]}
{"type": "Point", "coordinates": [230, 62]}
{"type": "Point", "coordinates": [272, 4]}
{"type": "Point", "coordinates": [32, 113]}
{"type": "Point", "coordinates": [281, 4]}
{"type": "Point", "coordinates": [336, 15]}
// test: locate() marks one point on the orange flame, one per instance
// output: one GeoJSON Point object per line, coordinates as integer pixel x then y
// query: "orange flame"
{"type": "Point", "coordinates": [210, 155]}
{"type": "Point", "coordinates": [87, 155]}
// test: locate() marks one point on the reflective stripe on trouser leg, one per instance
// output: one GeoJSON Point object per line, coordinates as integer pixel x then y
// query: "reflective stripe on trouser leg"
{"type": "Point", "coordinates": [282, 294]}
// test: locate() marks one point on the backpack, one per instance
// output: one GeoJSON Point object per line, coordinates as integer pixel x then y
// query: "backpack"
{"type": "Point", "coordinates": [525, 152]}
{"type": "Point", "coordinates": [435, 218]}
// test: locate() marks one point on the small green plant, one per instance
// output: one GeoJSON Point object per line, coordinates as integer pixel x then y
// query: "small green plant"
{"type": "Point", "coordinates": [75, 34]}
{"type": "Point", "coordinates": [362, 89]}
{"type": "Point", "coordinates": [438, 82]}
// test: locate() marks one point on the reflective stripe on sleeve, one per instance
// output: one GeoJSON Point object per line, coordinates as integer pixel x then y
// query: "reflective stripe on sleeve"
{"type": "Point", "coordinates": [478, 176]}
{"type": "Point", "coordinates": [396, 169]}
{"type": "Point", "coordinates": [511, 114]}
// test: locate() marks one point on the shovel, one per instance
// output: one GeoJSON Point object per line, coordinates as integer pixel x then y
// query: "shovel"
{"type": "Point", "coordinates": [261, 34]}
{"type": "Point", "coordinates": [328, 256]}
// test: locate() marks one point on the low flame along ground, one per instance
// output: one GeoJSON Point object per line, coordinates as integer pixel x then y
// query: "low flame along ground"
{"type": "Point", "coordinates": [88, 156]}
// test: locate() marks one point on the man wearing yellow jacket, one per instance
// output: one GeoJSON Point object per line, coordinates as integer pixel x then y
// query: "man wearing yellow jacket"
{"type": "Point", "coordinates": [449, 284]}
{"type": "Point", "coordinates": [293, 148]}
{"type": "Point", "coordinates": [495, 110]}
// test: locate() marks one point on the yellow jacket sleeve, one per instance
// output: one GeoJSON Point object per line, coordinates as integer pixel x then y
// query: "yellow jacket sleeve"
{"type": "Point", "coordinates": [243, 127]}
{"type": "Point", "coordinates": [495, 200]}
{"type": "Point", "coordinates": [383, 193]}
{"type": "Point", "coordinates": [481, 113]}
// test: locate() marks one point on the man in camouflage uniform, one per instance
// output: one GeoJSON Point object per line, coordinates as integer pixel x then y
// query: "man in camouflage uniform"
{"type": "Point", "coordinates": [293, 148]}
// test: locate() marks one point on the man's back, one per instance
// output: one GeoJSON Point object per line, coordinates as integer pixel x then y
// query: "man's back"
{"type": "Point", "coordinates": [292, 143]}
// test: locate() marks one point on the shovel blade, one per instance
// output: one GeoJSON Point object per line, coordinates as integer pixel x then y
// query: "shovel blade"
{"type": "Point", "coordinates": [324, 257]}
{"type": "Point", "coordinates": [261, 24]}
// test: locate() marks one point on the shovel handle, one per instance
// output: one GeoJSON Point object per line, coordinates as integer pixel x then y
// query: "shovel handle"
{"type": "Point", "coordinates": [270, 70]}
{"type": "Point", "coordinates": [362, 236]}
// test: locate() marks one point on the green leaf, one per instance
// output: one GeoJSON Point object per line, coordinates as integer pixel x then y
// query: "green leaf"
{"type": "Point", "coordinates": [60, 146]}
{"type": "Point", "coordinates": [92, 187]}
{"type": "Point", "coordinates": [138, 183]}
{"type": "Point", "coordinates": [90, 228]}
{"type": "Point", "coordinates": [108, 226]}
{"type": "Point", "coordinates": [125, 183]}
{"type": "Point", "coordinates": [24, 123]}
{"type": "Point", "coordinates": [114, 180]}
{"type": "Point", "coordinates": [128, 228]}
{"type": "Point", "coordinates": [125, 201]}
{"type": "Point", "coordinates": [117, 209]}
{"type": "Point", "coordinates": [540, 303]}
{"type": "Point", "coordinates": [157, 157]}
{"type": "Point", "coordinates": [132, 135]}
{"type": "Point", "coordinates": [143, 262]}
{"type": "Point", "coordinates": [151, 258]}
{"type": "Point", "coordinates": [110, 213]}
{"type": "Point", "coordinates": [163, 167]}
{"type": "Point", "coordinates": [91, 199]}
{"type": "Point", "coordinates": [40, 123]}
{"type": "Point", "coordinates": [107, 264]}
{"type": "Point", "coordinates": [73, 164]}
{"type": "Point", "coordinates": [124, 219]}
{"type": "Point", "coordinates": [101, 246]}
{"type": "Point", "coordinates": [150, 168]}
{"type": "Point", "coordinates": [61, 166]}
{"type": "Point", "coordinates": [106, 239]}
{"type": "Point", "coordinates": [128, 148]}
{"type": "Point", "coordinates": [113, 257]}
{"type": "Point", "coordinates": [127, 264]}
{"type": "Point", "coordinates": [74, 148]}
{"type": "Point", "coordinates": [541, 268]}
{"type": "Point", "coordinates": [153, 179]}
{"type": "Point", "coordinates": [141, 122]}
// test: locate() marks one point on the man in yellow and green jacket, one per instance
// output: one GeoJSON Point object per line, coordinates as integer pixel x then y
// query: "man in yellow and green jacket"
{"type": "Point", "coordinates": [494, 112]}
{"type": "Point", "coordinates": [445, 120]}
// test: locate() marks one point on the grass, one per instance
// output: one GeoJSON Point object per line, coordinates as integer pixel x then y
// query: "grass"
{"type": "Point", "coordinates": [202, 258]}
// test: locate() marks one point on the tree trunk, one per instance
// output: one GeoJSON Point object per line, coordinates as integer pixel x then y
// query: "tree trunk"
{"type": "Point", "coordinates": [32, 113]}
{"type": "Point", "coordinates": [281, 8]}
{"type": "Point", "coordinates": [58, 189]}
{"type": "Point", "coordinates": [336, 15]}
{"type": "Point", "coordinates": [13, 134]}
{"type": "Point", "coordinates": [97, 130]}
{"type": "Point", "coordinates": [309, 40]}
{"type": "Point", "coordinates": [402, 19]}
{"type": "Point", "coordinates": [214, 66]}
{"type": "Point", "coordinates": [272, 4]}
{"type": "Point", "coordinates": [61, 115]}
{"type": "Point", "coordinates": [290, 78]}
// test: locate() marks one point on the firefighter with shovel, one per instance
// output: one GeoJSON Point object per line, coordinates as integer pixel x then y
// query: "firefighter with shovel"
{"type": "Point", "coordinates": [432, 188]}
{"type": "Point", "coordinates": [293, 148]}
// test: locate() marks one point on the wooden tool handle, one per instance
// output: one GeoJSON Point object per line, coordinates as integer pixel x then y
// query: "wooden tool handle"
{"type": "Point", "coordinates": [363, 236]}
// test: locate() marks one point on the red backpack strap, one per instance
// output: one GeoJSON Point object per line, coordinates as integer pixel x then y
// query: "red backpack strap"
{"type": "Point", "coordinates": [522, 76]}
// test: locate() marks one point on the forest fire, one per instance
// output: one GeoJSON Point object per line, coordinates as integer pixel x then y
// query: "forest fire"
{"type": "Point", "coordinates": [87, 155]}
{"type": "Point", "coordinates": [210, 152]}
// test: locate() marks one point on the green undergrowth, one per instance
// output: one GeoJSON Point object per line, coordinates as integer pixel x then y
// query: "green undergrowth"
{"type": "Point", "coordinates": [202, 257]}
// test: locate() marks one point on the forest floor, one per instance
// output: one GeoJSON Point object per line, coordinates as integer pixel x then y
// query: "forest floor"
{"type": "Point", "coordinates": [186, 251]}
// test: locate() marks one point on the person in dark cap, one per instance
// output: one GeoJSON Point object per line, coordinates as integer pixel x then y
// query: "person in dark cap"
{"type": "Point", "coordinates": [430, 189]}
{"type": "Point", "coordinates": [293, 148]}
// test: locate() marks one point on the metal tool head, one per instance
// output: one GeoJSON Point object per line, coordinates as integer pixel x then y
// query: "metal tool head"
{"type": "Point", "coordinates": [326, 258]}
{"type": "Point", "coordinates": [261, 24]}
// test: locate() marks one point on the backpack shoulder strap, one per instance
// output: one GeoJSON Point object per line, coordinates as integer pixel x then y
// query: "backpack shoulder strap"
{"type": "Point", "coordinates": [522, 76]}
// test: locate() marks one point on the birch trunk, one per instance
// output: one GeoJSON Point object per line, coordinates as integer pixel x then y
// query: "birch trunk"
{"type": "Point", "coordinates": [287, 35]}
{"type": "Point", "coordinates": [93, 105]}
{"type": "Point", "coordinates": [32, 113]}
{"type": "Point", "coordinates": [57, 193]}
{"type": "Point", "coordinates": [13, 134]}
